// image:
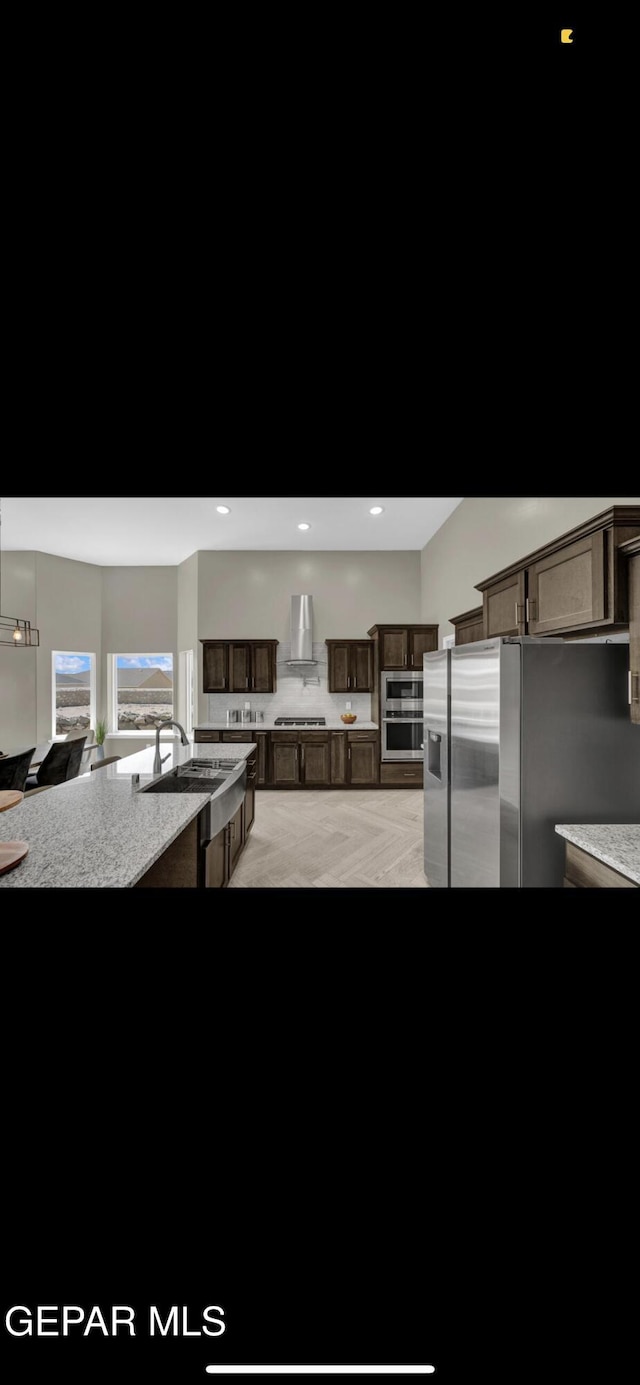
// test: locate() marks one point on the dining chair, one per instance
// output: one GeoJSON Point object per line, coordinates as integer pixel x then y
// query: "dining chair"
{"type": "Point", "coordinates": [14, 770]}
{"type": "Point", "coordinates": [62, 762]}
{"type": "Point", "coordinates": [76, 734]}
{"type": "Point", "coordinates": [110, 760]}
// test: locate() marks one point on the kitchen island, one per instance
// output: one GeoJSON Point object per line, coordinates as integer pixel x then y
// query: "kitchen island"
{"type": "Point", "coordinates": [101, 829]}
{"type": "Point", "coordinates": [606, 854]}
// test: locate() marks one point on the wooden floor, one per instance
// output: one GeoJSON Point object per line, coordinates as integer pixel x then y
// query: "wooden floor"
{"type": "Point", "coordinates": [352, 839]}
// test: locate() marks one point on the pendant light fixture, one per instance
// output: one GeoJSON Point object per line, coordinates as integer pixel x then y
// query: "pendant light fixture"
{"type": "Point", "coordinates": [19, 633]}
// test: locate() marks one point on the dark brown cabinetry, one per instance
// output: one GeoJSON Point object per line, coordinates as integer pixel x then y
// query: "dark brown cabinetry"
{"type": "Point", "coordinates": [469, 627]}
{"type": "Point", "coordinates": [363, 757]}
{"type": "Point", "coordinates": [205, 737]}
{"type": "Point", "coordinates": [397, 775]}
{"type": "Point", "coordinates": [575, 585]}
{"type": "Point", "coordinates": [285, 761]}
{"type": "Point", "coordinates": [504, 608]}
{"type": "Point", "coordinates": [299, 761]}
{"type": "Point", "coordinates": [583, 871]}
{"type": "Point", "coordinates": [262, 741]}
{"type": "Point", "coordinates": [215, 666]}
{"type": "Point", "coordinates": [350, 665]}
{"type": "Point", "coordinates": [338, 757]}
{"type": "Point", "coordinates": [239, 665]}
{"type": "Point", "coordinates": [631, 552]}
{"type": "Point", "coordinates": [315, 762]}
{"type": "Point", "coordinates": [402, 646]}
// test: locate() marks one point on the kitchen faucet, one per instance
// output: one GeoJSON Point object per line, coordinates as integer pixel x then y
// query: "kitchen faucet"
{"type": "Point", "coordinates": [159, 761]}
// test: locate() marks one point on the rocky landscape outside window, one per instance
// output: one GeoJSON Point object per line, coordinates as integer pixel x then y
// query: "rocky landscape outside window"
{"type": "Point", "coordinates": [142, 691]}
{"type": "Point", "coordinates": [73, 684]}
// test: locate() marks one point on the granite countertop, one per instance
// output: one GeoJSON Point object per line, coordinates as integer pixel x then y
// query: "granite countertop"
{"type": "Point", "coordinates": [331, 724]}
{"type": "Point", "coordinates": [616, 844]}
{"type": "Point", "coordinates": [98, 830]}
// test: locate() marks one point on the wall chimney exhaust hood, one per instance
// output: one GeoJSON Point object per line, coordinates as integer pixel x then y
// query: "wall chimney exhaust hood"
{"type": "Point", "coordinates": [301, 631]}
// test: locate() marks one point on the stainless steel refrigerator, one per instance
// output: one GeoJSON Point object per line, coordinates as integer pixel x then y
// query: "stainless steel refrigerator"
{"type": "Point", "coordinates": [521, 734]}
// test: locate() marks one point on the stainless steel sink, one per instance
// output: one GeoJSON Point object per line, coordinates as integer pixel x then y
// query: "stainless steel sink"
{"type": "Point", "coordinates": [224, 779]}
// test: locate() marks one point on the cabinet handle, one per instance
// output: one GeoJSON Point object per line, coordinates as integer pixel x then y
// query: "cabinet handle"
{"type": "Point", "coordinates": [412, 658]}
{"type": "Point", "coordinates": [633, 698]}
{"type": "Point", "coordinates": [224, 682]}
{"type": "Point", "coordinates": [349, 752]}
{"type": "Point", "coordinates": [516, 620]}
{"type": "Point", "coordinates": [348, 681]}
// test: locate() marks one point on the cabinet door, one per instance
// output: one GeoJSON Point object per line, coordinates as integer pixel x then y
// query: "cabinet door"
{"type": "Point", "coordinates": [284, 760]}
{"type": "Point", "coordinates": [262, 741]}
{"type": "Point", "coordinates": [339, 668]}
{"type": "Point", "coordinates": [239, 667]}
{"type": "Point", "coordinates": [215, 862]}
{"type": "Point", "coordinates": [200, 737]}
{"type": "Point", "coordinates": [315, 762]}
{"type": "Point", "coordinates": [394, 648]}
{"type": "Point", "coordinates": [235, 832]}
{"type": "Point", "coordinates": [241, 737]}
{"type": "Point", "coordinates": [568, 588]}
{"type": "Point", "coordinates": [504, 607]}
{"type": "Point", "coordinates": [338, 757]}
{"type": "Point", "coordinates": [215, 671]}
{"type": "Point", "coordinates": [421, 642]}
{"type": "Point", "coordinates": [262, 668]}
{"type": "Point", "coordinates": [250, 796]}
{"type": "Point", "coordinates": [363, 762]}
{"type": "Point", "coordinates": [634, 638]}
{"type": "Point", "coordinates": [362, 667]}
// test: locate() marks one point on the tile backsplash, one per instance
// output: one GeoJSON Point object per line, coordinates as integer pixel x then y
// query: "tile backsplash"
{"type": "Point", "coordinates": [300, 691]}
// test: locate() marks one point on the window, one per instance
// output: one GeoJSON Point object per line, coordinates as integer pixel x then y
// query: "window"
{"type": "Point", "coordinates": [73, 687]}
{"type": "Point", "coordinates": [141, 692]}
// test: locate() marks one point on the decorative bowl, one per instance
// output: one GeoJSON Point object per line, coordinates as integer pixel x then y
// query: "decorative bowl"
{"type": "Point", "coordinates": [349, 718]}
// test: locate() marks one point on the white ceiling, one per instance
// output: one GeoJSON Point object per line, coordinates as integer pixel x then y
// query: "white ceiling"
{"type": "Point", "coordinates": [158, 530]}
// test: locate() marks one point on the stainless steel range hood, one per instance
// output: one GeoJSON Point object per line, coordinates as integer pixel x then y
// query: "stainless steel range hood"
{"type": "Point", "coordinates": [301, 631]}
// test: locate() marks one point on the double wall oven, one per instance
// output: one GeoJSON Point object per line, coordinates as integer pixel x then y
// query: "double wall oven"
{"type": "Point", "coordinates": [402, 715]}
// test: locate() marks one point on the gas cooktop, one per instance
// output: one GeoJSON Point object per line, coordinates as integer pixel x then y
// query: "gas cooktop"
{"type": "Point", "coordinates": [300, 721]}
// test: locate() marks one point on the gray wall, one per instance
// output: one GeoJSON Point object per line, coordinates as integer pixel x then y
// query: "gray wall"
{"type": "Point", "coordinates": [247, 594]}
{"type": "Point", "coordinates": [139, 616]}
{"type": "Point", "coordinates": [485, 534]}
{"type": "Point", "coordinates": [69, 607]}
{"type": "Point", "coordinates": [18, 667]}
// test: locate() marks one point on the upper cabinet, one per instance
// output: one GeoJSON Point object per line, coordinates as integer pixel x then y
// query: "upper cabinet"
{"type": "Point", "coordinates": [469, 627]}
{"type": "Point", "coordinates": [239, 665]}
{"type": "Point", "coordinates": [575, 584]}
{"type": "Point", "coordinates": [350, 665]}
{"type": "Point", "coordinates": [631, 553]}
{"type": "Point", "coordinates": [402, 646]}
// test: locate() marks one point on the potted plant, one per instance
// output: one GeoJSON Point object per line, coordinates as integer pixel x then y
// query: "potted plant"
{"type": "Point", "coordinates": [101, 731]}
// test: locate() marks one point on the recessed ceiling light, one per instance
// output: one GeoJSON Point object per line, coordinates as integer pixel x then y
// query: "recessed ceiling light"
{"type": "Point", "coordinates": [304, 526]}
{"type": "Point", "coordinates": [223, 509]}
{"type": "Point", "coordinates": [376, 510]}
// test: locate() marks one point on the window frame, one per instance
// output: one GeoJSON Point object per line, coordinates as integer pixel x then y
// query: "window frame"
{"type": "Point", "coordinates": [93, 687]}
{"type": "Point", "coordinates": [187, 689]}
{"type": "Point", "coordinates": [112, 694]}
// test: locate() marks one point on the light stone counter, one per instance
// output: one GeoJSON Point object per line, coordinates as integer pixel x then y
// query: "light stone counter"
{"type": "Point", "coordinates": [331, 724]}
{"type": "Point", "coordinates": [616, 844]}
{"type": "Point", "coordinates": [98, 830]}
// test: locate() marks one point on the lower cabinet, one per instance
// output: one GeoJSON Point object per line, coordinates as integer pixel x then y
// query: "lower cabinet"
{"type": "Point", "coordinates": [315, 760]}
{"type": "Point", "coordinates": [400, 774]}
{"type": "Point", "coordinates": [216, 872]}
{"type": "Point", "coordinates": [338, 754]}
{"type": "Point", "coordinates": [362, 757]}
{"type": "Point", "coordinates": [285, 761]}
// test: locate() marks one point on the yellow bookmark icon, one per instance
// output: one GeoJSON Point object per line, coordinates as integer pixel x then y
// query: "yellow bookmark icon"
{"type": "Point", "coordinates": [565, 35]}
